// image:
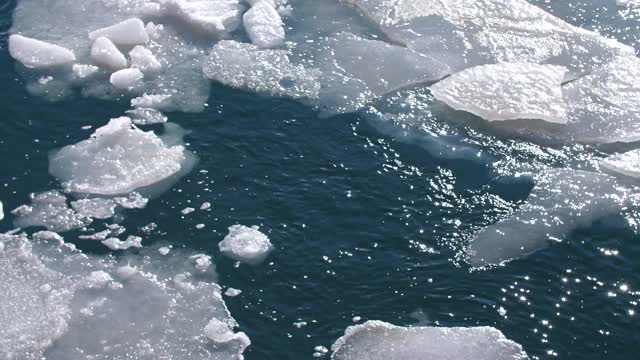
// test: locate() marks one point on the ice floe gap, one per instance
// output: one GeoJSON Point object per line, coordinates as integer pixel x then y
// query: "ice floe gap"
{"type": "Point", "coordinates": [377, 340]}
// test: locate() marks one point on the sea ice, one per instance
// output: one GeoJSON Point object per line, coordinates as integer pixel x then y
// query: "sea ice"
{"type": "Point", "coordinates": [96, 208]}
{"type": "Point", "coordinates": [146, 116]}
{"type": "Point", "coordinates": [129, 32]}
{"type": "Point", "coordinates": [264, 25]}
{"type": "Point", "coordinates": [377, 340]}
{"type": "Point", "coordinates": [81, 71]}
{"type": "Point", "coordinates": [105, 54]}
{"type": "Point", "coordinates": [231, 292]}
{"type": "Point", "coordinates": [245, 244]}
{"type": "Point", "coordinates": [506, 91]}
{"type": "Point", "coordinates": [625, 164]}
{"type": "Point", "coordinates": [48, 209]}
{"type": "Point", "coordinates": [270, 71]}
{"type": "Point", "coordinates": [126, 78]}
{"type": "Point", "coordinates": [144, 60]}
{"type": "Point", "coordinates": [117, 159]}
{"type": "Point", "coordinates": [117, 244]}
{"type": "Point", "coordinates": [561, 201]}
{"type": "Point", "coordinates": [1, 211]}
{"type": "Point", "coordinates": [37, 54]}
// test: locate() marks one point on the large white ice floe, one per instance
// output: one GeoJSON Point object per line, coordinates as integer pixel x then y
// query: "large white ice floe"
{"type": "Point", "coordinates": [561, 201]}
{"type": "Point", "coordinates": [465, 33]}
{"type": "Point", "coordinates": [129, 32]}
{"type": "Point", "coordinates": [264, 25]}
{"type": "Point", "coordinates": [34, 53]}
{"type": "Point", "coordinates": [245, 244]}
{"type": "Point", "coordinates": [56, 302]}
{"type": "Point", "coordinates": [50, 210]}
{"type": "Point", "coordinates": [104, 53]}
{"type": "Point", "coordinates": [117, 159]}
{"type": "Point", "coordinates": [377, 340]}
{"type": "Point", "coordinates": [242, 65]}
{"type": "Point", "coordinates": [604, 106]}
{"type": "Point", "coordinates": [625, 164]}
{"type": "Point", "coordinates": [506, 91]}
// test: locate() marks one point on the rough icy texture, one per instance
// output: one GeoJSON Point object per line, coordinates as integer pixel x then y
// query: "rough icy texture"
{"type": "Point", "coordinates": [37, 54]}
{"type": "Point", "coordinates": [269, 71]}
{"type": "Point", "coordinates": [605, 105]}
{"type": "Point", "coordinates": [81, 71]}
{"type": "Point", "coordinates": [126, 78]}
{"type": "Point", "coordinates": [146, 116]}
{"type": "Point", "coordinates": [90, 306]}
{"type": "Point", "coordinates": [96, 208]}
{"type": "Point", "coordinates": [129, 32]}
{"type": "Point", "coordinates": [117, 159]}
{"type": "Point", "coordinates": [245, 244]}
{"type": "Point", "coordinates": [50, 210]}
{"type": "Point", "coordinates": [377, 340]}
{"type": "Point", "coordinates": [561, 201]}
{"type": "Point", "coordinates": [105, 54]}
{"type": "Point", "coordinates": [464, 33]}
{"type": "Point", "coordinates": [264, 25]}
{"type": "Point", "coordinates": [117, 244]}
{"type": "Point", "coordinates": [506, 91]}
{"type": "Point", "coordinates": [626, 164]}
{"type": "Point", "coordinates": [144, 60]}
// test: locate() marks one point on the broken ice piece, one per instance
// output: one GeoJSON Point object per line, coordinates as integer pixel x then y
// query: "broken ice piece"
{"type": "Point", "coordinates": [231, 292]}
{"type": "Point", "coordinates": [129, 32]}
{"type": "Point", "coordinates": [126, 78]}
{"type": "Point", "coordinates": [625, 164]}
{"type": "Point", "coordinates": [97, 208]}
{"type": "Point", "coordinates": [117, 244]}
{"type": "Point", "coordinates": [245, 244]}
{"type": "Point", "coordinates": [105, 54]}
{"type": "Point", "coordinates": [264, 25]}
{"type": "Point", "coordinates": [38, 54]}
{"type": "Point", "coordinates": [143, 59]}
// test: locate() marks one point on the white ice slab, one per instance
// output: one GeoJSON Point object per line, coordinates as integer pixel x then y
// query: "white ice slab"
{"type": "Point", "coordinates": [264, 25]}
{"type": "Point", "coordinates": [38, 54]}
{"type": "Point", "coordinates": [129, 32]}
{"type": "Point", "coordinates": [126, 78]}
{"type": "Point", "coordinates": [105, 54]}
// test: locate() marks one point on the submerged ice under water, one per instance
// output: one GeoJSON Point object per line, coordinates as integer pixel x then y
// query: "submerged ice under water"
{"type": "Point", "coordinates": [524, 94]}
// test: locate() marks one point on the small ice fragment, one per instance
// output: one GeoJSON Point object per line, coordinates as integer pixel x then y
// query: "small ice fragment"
{"type": "Point", "coordinates": [317, 354]}
{"type": "Point", "coordinates": [152, 101]}
{"type": "Point", "coordinates": [1, 211]}
{"type": "Point", "coordinates": [321, 349]}
{"type": "Point", "coordinates": [356, 319]}
{"type": "Point", "coordinates": [129, 32]}
{"type": "Point", "coordinates": [98, 279]}
{"type": "Point", "coordinates": [147, 229]}
{"type": "Point", "coordinates": [81, 71]}
{"type": "Point", "coordinates": [205, 206]}
{"type": "Point", "coordinates": [126, 78]}
{"type": "Point", "coordinates": [116, 244]}
{"type": "Point", "coordinates": [202, 262]}
{"type": "Point", "coordinates": [105, 54]}
{"type": "Point", "coordinates": [132, 201]}
{"type": "Point", "coordinates": [300, 324]}
{"type": "Point", "coordinates": [45, 288]}
{"type": "Point", "coordinates": [164, 250]}
{"type": "Point", "coordinates": [200, 226]}
{"type": "Point", "coordinates": [97, 208]}
{"type": "Point", "coordinates": [146, 116]}
{"type": "Point", "coordinates": [218, 331]}
{"type": "Point", "coordinates": [231, 292]}
{"type": "Point", "coordinates": [187, 210]}
{"type": "Point", "coordinates": [101, 235]}
{"type": "Point", "coordinates": [245, 244]}
{"type": "Point", "coordinates": [143, 59]}
{"type": "Point", "coordinates": [502, 311]}
{"type": "Point", "coordinates": [37, 54]}
{"type": "Point", "coordinates": [48, 236]}
{"type": "Point", "coordinates": [264, 25]}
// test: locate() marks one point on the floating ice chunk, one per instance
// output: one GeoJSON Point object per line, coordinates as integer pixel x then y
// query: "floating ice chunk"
{"type": "Point", "coordinates": [213, 18]}
{"type": "Point", "coordinates": [48, 236]}
{"type": "Point", "coordinates": [37, 54]}
{"type": "Point", "coordinates": [604, 106]}
{"type": "Point", "coordinates": [164, 250]}
{"type": "Point", "coordinates": [126, 78]}
{"type": "Point", "coordinates": [143, 59]}
{"type": "Point", "coordinates": [48, 209]}
{"type": "Point", "coordinates": [101, 235]}
{"type": "Point", "coordinates": [146, 116]}
{"type": "Point", "coordinates": [187, 210]}
{"type": "Point", "coordinates": [117, 159]}
{"type": "Point", "coordinates": [105, 54]}
{"type": "Point", "coordinates": [116, 244]}
{"type": "Point", "coordinates": [243, 65]}
{"type": "Point", "coordinates": [506, 91]}
{"type": "Point", "coordinates": [626, 164]}
{"type": "Point", "coordinates": [1, 211]}
{"type": "Point", "coordinates": [152, 101]}
{"type": "Point", "coordinates": [245, 244]}
{"type": "Point", "coordinates": [97, 208]}
{"type": "Point", "coordinates": [464, 33]}
{"type": "Point", "coordinates": [132, 201]}
{"type": "Point", "coordinates": [375, 340]}
{"type": "Point", "coordinates": [205, 205]}
{"type": "Point", "coordinates": [81, 71]}
{"type": "Point", "coordinates": [129, 32]}
{"type": "Point", "coordinates": [561, 201]}
{"type": "Point", "coordinates": [264, 25]}
{"type": "Point", "coordinates": [220, 333]}
{"type": "Point", "coordinates": [203, 262]}
{"type": "Point", "coordinates": [231, 292]}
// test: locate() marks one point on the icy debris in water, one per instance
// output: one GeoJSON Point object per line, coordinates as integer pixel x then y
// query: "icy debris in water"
{"type": "Point", "coordinates": [81, 71]}
{"type": "Point", "coordinates": [213, 18]}
{"type": "Point", "coordinates": [1, 211]}
{"type": "Point", "coordinates": [561, 201]}
{"type": "Point", "coordinates": [200, 226]}
{"type": "Point", "coordinates": [152, 101]}
{"type": "Point", "coordinates": [129, 32]}
{"type": "Point", "coordinates": [231, 292]}
{"type": "Point", "coordinates": [146, 116]}
{"type": "Point", "coordinates": [48, 209]}
{"type": "Point", "coordinates": [625, 164]}
{"type": "Point", "coordinates": [264, 25]}
{"type": "Point", "coordinates": [117, 244]}
{"type": "Point", "coordinates": [117, 159]}
{"type": "Point", "coordinates": [132, 201]}
{"type": "Point", "coordinates": [245, 244]}
{"type": "Point", "coordinates": [221, 334]}
{"type": "Point", "coordinates": [507, 91]}
{"type": "Point", "coordinates": [356, 319]}
{"type": "Point", "coordinates": [48, 236]}
{"type": "Point", "coordinates": [187, 210]}
{"type": "Point", "coordinates": [205, 206]}
{"type": "Point", "coordinates": [147, 229]}
{"type": "Point", "coordinates": [101, 235]}
{"type": "Point", "coordinates": [105, 54]}
{"type": "Point", "coordinates": [270, 71]}
{"type": "Point", "coordinates": [143, 59]}
{"type": "Point", "coordinates": [164, 250]}
{"type": "Point", "coordinates": [202, 262]}
{"type": "Point", "coordinates": [126, 78]}
{"type": "Point", "coordinates": [320, 350]}
{"type": "Point", "coordinates": [37, 54]}
{"type": "Point", "coordinates": [116, 229]}
{"type": "Point", "coordinates": [97, 208]}
{"type": "Point", "coordinates": [375, 340]}
{"type": "Point", "coordinates": [604, 106]}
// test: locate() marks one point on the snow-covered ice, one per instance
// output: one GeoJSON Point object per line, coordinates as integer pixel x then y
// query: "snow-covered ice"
{"type": "Point", "coordinates": [144, 60]}
{"type": "Point", "coordinates": [245, 244]}
{"type": "Point", "coordinates": [117, 159]}
{"type": "Point", "coordinates": [264, 25]}
{"type": "Point", "coordinates": [50, 210]}
{"type": "Point", "coordinates": [377, 340]}
{"type": "Point", "coordinates": [128, 32]}
{"type": "Point", "coordinates": [34, 53]}
{"type": "Point", "coordinates": [97, 208]}
{"type": "Point", "coordinates": [105, 54]}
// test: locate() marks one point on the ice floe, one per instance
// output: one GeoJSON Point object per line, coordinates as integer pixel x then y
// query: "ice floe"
{"type": "Point", "coordinates": [375, 340]}
{"type": "Point", "coordinates": [117, 159]}
{"type": "Point", "coordinates": [264, 25]}
{"type": "Point", "coordinates": [50, 210]}
{"type": "Point", "coordinates": [34, 53]}
{"type": "Point", "coordinates": [245, 244]}
{"type": "Point", "coordinates": [129, 32]}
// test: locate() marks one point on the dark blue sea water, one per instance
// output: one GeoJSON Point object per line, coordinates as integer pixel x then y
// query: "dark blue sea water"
{"type": "Point", "coordinates": [365, 222]}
